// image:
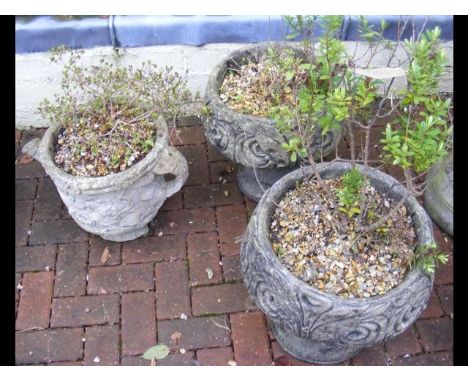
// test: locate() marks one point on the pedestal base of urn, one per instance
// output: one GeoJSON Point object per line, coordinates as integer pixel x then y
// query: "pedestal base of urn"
{"type": "Point", "coordinates": [254, 182]}
{"type": "Point", "coordinates": [312, 351]}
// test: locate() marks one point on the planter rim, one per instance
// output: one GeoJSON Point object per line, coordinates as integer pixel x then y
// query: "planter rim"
{"type": "Point", "coordinates": [98, 184]}
{"type": "Point", "coordinates": [421, 223]}
{"type": "Point", "coordinates": [213, 85]}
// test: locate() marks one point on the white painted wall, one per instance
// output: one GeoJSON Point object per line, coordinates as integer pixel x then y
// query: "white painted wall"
{"type": "Point", "coordinates": [37, 77]}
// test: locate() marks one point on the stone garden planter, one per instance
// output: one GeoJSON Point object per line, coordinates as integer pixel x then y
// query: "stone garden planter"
{"type": "Point", "coordinates": [119, 206]}
{"type": "Point", "coordinates": [253, 143]}
{"type": "Point", "coordinates": [314, 326]}
{"type": "Point", "coordinates": [438, 197]}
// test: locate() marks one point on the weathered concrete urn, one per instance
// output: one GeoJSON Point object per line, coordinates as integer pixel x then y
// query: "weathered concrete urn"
{"type": "Point", "coordinates": [438, 198]}
{"type": "Point", "coordinates": [314, 326]}
{"type": "Point", "coordinates": [119, 206]}
{"type": "Point", "coordinates": [252, 142]}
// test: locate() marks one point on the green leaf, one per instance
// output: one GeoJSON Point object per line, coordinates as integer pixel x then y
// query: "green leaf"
{"type": "Point", "coordinates": [293, 156]}
{"type": "Point", "coordinates": [305, 66]}
{"type": "Point", "coordinates": [292, 36]}
{"type": "Point", "coordinates": [156, 352]}
{"type": "Point", "coordinates": [289, 76]}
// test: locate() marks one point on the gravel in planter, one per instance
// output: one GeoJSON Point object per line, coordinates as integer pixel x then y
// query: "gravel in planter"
{"type": "Point", "coordinates": [256, 87]}
{"type": "Point", "coordinates": [105, 145]}
{"type": "Point", "coordinates": [306, 243]}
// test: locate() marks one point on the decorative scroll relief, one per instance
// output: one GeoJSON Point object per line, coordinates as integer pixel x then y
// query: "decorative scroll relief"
{"type": "Point", "coordinates": [315, 316]}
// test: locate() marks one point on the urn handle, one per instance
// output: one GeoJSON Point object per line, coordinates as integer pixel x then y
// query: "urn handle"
{"type": "Point", "coordinates": [32, 148]}
{"type": "Point", "coordinates": [172, 162]}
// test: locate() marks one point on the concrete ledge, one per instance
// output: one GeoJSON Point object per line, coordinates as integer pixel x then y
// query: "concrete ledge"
{"type": "Point", "coordinates": [37, 77]}
{"type": "Point", "coordinates": [43, 32]}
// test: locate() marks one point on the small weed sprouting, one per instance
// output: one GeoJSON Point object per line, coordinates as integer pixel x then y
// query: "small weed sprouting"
{"type": "Point", "coordinates": [349, 194]}
{"type": "Point", "coordinates": [427, 257]}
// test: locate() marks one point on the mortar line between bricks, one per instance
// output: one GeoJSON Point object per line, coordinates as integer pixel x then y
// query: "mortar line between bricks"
{"type": "Point", "coordinates": [29, 231]}
{"type": "Point", "coordinates": [81, 326]}
{"type": "Point", "coordinates": [120, 347]}
{"type": "Point", "coordinates": [53, 283]}
{"type": "Point", "coordinates": [418, 337]}
{"type": "Point", "coordinates": [19, 295]}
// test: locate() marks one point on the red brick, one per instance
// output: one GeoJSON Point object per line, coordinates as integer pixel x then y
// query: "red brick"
{"type": "Point", "coordinates": [48, 202]}
{"type": "Point", "coordinates": [281, 358]}
{"type": "Point", "coordinates": [434, 359]}
{"type": "Point", "coordinates": [211, 195]}
{"type": "Point", "coordinates": [250, 339]}
{"type": "Point", "coordinates": [232, 222]}
{"type": "Point", "coordinates": [56, 232]}
{"type": "Point", "coordinates": [134, 361]}
{"type": "Point", "coordinates": [223, 172]}
{"type": "Point", "coordinates": [97, 245]}
{"type": "Point", "coordinates": [249, 206]}
{"type": "Point", "coordinates": [34, 305]}
{"type": "Point", "coordinates": [231, 268]}
{"type": "Point", "coordinates": [444, 272]}
{"type": "Point", "coordinates": [404, 343]}
{"type": "Point", "coordinates": [188, 120]}
{"type": "Point", "coordinates": [154, 248]}
{"type": "Point", "coordinates": [23, 212]}
{"type": "Point", "coordinates": [65, 214]}
{"type": "Point", "coordinates": [223, 298]}
{"type": "Point", "coordinates": [25, 189]}
{"type": "Point", "coordinates": [178, 359]}
{"type": "Point", "coordinates": [215, 357]}
{"type": "Point", "coordinates": [436, 334]}
{"type": "Point", "coordinates": [31, 259]}
{"type": "Point", "coordinates": [101, 342]}
{"type": "Point", "coordinates": [172, 290]}
{"type": "Point", "coordinates": [121, 278]}
{"type": "Point", "coordinates": [445, 293]}
{"type": "Point", "coordinates": [196, 333]}
{"type": "Point", "coordinates": [213, 154]}
{"type": "Point", "coordinates": [198, 165]}
{"type": "Point", "coordinates": [29, 170]}
{"type": "Point", "coordinates": [373, 356]}
{"type": "Point", "coordinates": [173, 203]}
{"type": "Point", "coordinates": [66, 363]}
{"type": "Point", "coordinates": [85, 310]}
{"type": "Point", "coordinates": [203, 253]}
{"type": "Point", "coordinates": [18, 278]}
{"type": "Point", "coordinates": [71, 270]}
{"type": "Point", "coordinates": [395, 171]}
{"type": "Point", "coordinates": [185, 221]}
{"type": "Point", "coordinates": [48, 346]}
{"type": "Point", "coordinates": [433, 309]}
{"type": "Point", "coordinates": [444, 241]}
{"type": "Point", "coordinates": [187, 136]}
{"type": "Point", "coordinates": [138, 323]}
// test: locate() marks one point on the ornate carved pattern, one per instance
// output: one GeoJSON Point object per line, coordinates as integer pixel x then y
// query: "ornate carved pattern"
{"type": "Point", "coordinates": [325, 320]}
{"type": "Point", "coordinates": [248, 140]}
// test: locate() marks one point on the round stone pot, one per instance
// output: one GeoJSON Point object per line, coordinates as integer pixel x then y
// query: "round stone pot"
{"type": "Point", "coordinates": [119, 206]}
{"type": "Point", "coordinates": [438, 197]}
{"type": "Point", "coordinates": [249, 141]}
{"type": "Point", "coordinates": [318, 327]}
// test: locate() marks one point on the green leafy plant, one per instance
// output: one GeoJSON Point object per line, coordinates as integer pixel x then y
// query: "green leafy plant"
{"type": "Point", "coordinates": [349, 194]}
{"type": "Point", "coordinates": [419, 130]}
{"type": "Point", "coordinates": [294, 147]}
{"type": "Point", "coordinates": [107, 111]}
{"type": "Point", "coordinates": [427, 258]}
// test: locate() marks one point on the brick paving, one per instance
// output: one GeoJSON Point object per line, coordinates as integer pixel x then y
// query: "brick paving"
{"type": "Point", "coordinates": [83, 300]}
